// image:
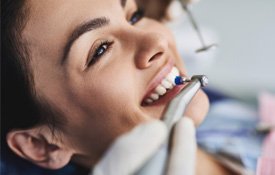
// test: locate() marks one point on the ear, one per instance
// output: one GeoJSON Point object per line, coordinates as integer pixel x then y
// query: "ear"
{"type": "Point", "coordinates": [38, 146]}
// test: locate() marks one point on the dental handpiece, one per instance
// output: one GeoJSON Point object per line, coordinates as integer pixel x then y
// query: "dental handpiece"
{"type": "Point", "coordinates": [176, 108]}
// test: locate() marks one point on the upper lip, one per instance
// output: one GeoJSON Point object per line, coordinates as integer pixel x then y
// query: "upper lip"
{"type": "Point", "coordinates": [165, 70]}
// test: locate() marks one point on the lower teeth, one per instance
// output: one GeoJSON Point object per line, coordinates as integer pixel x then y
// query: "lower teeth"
{"type": "Point", "coordinates": [154, 97]}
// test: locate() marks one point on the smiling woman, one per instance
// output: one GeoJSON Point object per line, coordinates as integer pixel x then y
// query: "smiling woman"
{"type": "Point", "coordinates": [57, 58]}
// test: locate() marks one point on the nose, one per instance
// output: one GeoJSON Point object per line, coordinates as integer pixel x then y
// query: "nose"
{"type": "Point", "coordinates": [151, 48]}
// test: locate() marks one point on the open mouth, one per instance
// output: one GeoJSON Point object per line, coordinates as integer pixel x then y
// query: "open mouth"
{"type": "Point", "coordinates": [164, 90]}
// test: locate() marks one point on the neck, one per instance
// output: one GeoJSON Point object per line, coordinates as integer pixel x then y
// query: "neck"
{"type": "Point", "coordinates": [86, 161]}
{"type": "Point", "coordinates": [206, 164]}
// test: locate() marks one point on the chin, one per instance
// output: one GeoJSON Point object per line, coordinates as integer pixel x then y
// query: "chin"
{"type": "Point", "coordinates": [198, 108]}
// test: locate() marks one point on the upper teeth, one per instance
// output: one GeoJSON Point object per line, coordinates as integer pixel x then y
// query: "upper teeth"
{"type": "Point", "coordinates": [167, 83]}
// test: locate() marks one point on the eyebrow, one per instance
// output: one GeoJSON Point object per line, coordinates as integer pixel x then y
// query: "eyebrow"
{"type": "Point", "coordinates": [80, 30]}
{"type": "Point", "coordinates": [123, 3]}
{"type": "Point", "coordinates": [86, 27]}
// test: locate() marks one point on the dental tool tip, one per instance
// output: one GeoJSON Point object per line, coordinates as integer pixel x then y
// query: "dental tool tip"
{"type": "Point", "coordinates": [181, 80]}
{"type": "Point", "coordinates": [201, 78]}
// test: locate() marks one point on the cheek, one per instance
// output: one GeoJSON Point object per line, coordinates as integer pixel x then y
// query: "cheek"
{"type": "Point", "coordinates": [114, 95]}
{"type": "Point", "coordinates": [198, 108]}
{"type": "Point", "coordinates": [116, 86]}
{"type": "Point", "coordinates": [110, 111]}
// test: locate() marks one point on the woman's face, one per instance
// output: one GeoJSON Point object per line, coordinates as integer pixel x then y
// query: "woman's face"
{"type": "Point", "coordinates": [98, 61]}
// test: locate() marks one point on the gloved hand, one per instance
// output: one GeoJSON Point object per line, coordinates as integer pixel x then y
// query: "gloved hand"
{"type": "Point", "coordinates": [131, 150]}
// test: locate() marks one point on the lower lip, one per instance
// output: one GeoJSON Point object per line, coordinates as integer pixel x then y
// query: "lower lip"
{"type": "Point", "coordinates": [167, 97]}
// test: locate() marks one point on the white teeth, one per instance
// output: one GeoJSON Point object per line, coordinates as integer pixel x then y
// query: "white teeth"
{"type": "Point", "coordinates": [154, 96]}
{"type": "Point", "coordinates": [160, 90]}
{"type": "Point", "coordinates": [166, 84]}
{"type": "Point", "coordinates": [148, 100]}
{"type": "Point", "coordinates": [171, 78]}
{"type": "Point", "coordinates": [175, 71]}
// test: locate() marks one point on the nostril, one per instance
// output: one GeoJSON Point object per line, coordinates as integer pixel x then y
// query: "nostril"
{"type": "Point", "coordinates": [155, 57]}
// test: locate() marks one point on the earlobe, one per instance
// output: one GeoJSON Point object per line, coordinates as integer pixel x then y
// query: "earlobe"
{"type": "Point", "coordinates": [37, 148]}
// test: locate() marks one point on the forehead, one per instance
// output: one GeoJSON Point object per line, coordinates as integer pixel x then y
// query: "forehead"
{"type": "Point", "coordinates": [54, 8]}
{"type": "Point", "coordinates": [49, 25]}
{"type": "Point", "coordinates": [53, 20]}
{"type": "Point", "coordinates": [58, 12]}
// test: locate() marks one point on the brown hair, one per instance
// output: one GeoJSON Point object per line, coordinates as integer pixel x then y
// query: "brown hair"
{"type": "Point", "coordinates": [154, 8]}
{"type": "Point", "coordinates": [21, 107]}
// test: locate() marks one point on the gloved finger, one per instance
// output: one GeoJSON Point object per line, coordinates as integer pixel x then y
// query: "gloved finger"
{"type": "Point", "coordinates": [182, 159]}
{"type": "Point", "coordinates": [131, 150]}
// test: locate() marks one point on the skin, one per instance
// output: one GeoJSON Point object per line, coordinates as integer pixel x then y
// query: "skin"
{"type": "Point", "coordinates": [100, 101]}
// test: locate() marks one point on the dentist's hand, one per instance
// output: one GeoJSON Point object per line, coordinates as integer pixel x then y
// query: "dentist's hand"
{"type": "Point", "coordinates": [131, 150]}
{"type": "Point", "coordinates": [183, 154]}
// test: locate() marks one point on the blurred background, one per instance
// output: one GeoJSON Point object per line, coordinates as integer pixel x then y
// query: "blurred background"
{"type": "Point", "coordinates": [243, 65]}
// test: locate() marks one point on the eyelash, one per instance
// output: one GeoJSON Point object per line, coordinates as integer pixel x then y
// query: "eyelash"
{"type": "Point", "coordinates": [105, 46]}
{"type": "Point", "coordinates": [137, 15]}
{"type": "Point", "coordinates": [99, 51]}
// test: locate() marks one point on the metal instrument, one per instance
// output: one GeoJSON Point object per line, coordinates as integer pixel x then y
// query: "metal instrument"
{"type": "Point", "coordinates": [184, 4]}
{"type": "Point", "coordinates": [176, 108]}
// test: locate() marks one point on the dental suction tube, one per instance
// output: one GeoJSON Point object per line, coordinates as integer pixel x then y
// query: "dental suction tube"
{"type": "Point", "coordinates": [157, 164]}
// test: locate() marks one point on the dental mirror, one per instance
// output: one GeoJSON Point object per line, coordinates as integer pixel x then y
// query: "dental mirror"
{"type": "Point", "coordinates": [204, 47]}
